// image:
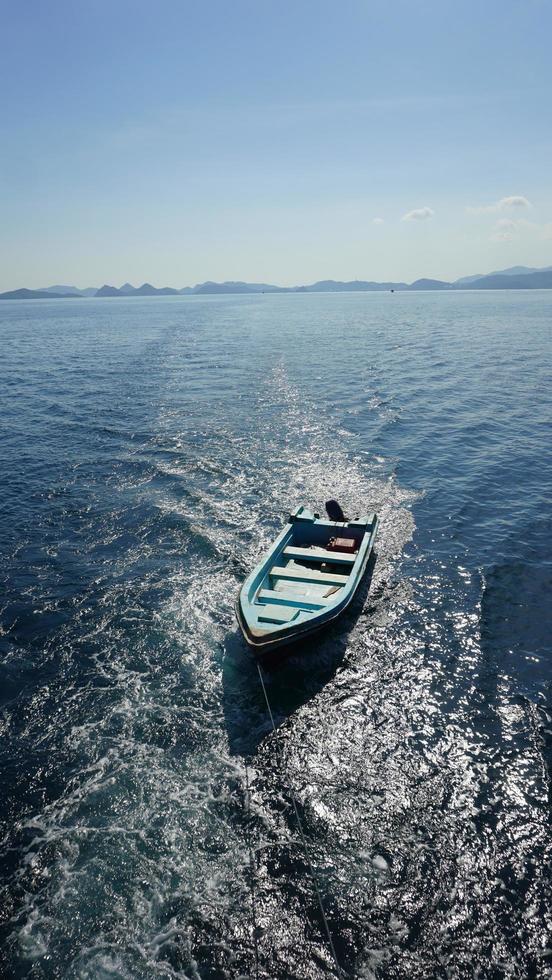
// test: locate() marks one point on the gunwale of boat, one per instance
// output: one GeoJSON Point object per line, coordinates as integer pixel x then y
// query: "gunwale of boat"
{"type": "Point", "coordinates": [301, 584]}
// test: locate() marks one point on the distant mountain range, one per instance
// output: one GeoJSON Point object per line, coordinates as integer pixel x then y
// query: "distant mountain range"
{"type": "Point", "coordinates": [514, 270]}
{"type": "Point", "coordinates": [516, 277]}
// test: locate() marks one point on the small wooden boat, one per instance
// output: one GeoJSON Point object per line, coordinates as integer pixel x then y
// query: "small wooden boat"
{"type": "Point", "coordinates": [306, 580]}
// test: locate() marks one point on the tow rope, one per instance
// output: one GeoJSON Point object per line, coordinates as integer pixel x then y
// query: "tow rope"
{"type": "Point", "coordinates": [340, 972]}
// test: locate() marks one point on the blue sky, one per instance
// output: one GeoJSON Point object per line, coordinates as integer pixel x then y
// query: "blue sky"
{"type": "Point", "coordinates": [180, 141]}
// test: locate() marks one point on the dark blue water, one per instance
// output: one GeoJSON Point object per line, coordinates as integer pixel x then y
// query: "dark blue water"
{"type": "Point", "coordinates": [150, 450]}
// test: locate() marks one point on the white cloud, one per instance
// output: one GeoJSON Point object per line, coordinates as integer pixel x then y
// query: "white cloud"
{"type": "Point", "coordinates": [514, 202]}
{"type": "Point", "coordinates": [377, 221]}
{"type": "Point", "coordinates": [504, 230]}
{"type": "Point", "coordinates": [419, 214]}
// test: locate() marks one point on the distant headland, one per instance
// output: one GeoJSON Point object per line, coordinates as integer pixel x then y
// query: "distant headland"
{"type": "Point", "coordinates": [516, 277]}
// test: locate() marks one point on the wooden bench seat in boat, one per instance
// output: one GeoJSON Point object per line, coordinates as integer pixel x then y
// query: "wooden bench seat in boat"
{"type": "Point", "coordinates": [297, 574]}
{"type": "Point", "coordinates": [294, 599]}
{"type": "Point", "coordinates": [277, 614]}
{"type": "Point", "coordinates": [320, 554]}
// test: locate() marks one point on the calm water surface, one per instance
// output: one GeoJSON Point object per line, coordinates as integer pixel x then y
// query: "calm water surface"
{"type": "Point", "coordinates": [150, 450]}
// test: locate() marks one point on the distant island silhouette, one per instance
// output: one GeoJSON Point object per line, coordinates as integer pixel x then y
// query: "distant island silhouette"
{"type": "Point", "coordinates": [516, 277]}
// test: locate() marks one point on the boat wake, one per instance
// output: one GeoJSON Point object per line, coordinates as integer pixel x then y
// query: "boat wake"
{"type": "Point", "coordinates": [149, 830]}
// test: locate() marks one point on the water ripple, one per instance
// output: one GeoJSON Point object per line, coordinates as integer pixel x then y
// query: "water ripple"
{"type": "Point", "coordinates": [153, 449]}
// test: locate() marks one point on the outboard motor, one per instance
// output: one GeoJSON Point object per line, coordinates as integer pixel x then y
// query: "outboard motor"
{"type": "Point", "coordinates": [334, 511]}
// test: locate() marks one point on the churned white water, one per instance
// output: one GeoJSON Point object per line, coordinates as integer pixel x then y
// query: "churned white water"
{"type": "Point", "coordinates": [152, 450]}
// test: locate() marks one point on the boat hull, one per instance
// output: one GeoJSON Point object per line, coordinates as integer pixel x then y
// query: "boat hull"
{"type": "Point", "coordinates": [296, 599]}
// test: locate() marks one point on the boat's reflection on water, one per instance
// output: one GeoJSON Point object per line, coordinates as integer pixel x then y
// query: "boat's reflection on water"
{"type": "Point", "coordinates": [293, 675]}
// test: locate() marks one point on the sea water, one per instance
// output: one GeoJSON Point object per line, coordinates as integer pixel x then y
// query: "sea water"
{"type": "Point", "coordinates": [150, 451]}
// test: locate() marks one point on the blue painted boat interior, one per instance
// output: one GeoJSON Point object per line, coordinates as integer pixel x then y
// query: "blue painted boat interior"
{"type": "Point", "coordinates": [301, 581]}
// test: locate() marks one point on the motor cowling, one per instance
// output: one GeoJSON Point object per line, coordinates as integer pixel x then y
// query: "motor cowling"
{"type": "Point", "coordinates": [334, 511]}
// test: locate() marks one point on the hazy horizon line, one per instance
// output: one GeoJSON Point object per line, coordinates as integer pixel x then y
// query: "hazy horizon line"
{"type": "Point", "coordinates": [254, 282]}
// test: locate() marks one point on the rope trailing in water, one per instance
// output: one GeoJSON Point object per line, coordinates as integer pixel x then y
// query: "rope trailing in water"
{"type": "Point", "coordinates": [304, 841]}
{"type": "Point", "coordinates": [252, 871]}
